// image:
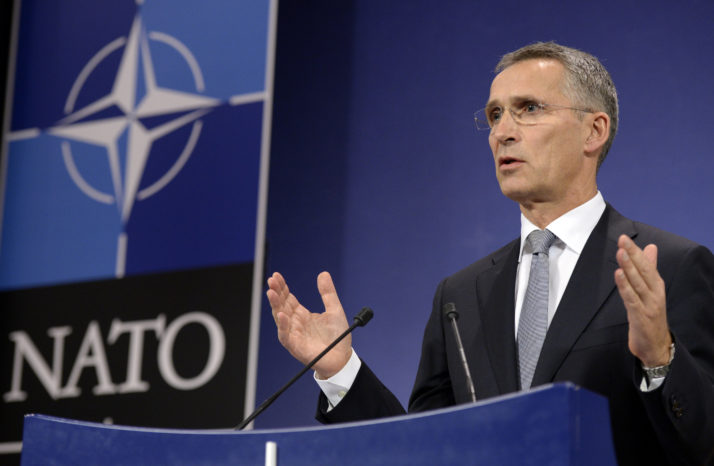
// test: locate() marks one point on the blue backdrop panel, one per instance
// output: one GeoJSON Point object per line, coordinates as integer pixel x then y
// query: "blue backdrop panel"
{"type": "Point", "coordinates": [378, 176]}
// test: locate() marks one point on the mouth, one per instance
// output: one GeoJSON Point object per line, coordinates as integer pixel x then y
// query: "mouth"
{"type": "Point", "coordinates": [508, 161]}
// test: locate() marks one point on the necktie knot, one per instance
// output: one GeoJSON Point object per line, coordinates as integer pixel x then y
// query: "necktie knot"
{"type": "Point", "coordinates": [540, 241]}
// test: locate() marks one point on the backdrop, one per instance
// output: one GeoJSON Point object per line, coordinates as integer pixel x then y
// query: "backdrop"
{"type": "Point", "coordinates": [133, 182]}
{"type": "Point", "coordinates": [378, 176]}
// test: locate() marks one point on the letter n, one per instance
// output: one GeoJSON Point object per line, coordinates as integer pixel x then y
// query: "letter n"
{"type": "Point", "coordinates": [25, 350]}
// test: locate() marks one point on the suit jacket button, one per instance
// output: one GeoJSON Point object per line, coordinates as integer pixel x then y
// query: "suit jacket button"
{"type": "Point", "coordinates": [676, 407]}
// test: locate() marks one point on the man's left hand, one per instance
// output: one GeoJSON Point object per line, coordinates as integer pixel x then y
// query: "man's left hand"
{"type": "Point", "coordinates": [642, 290]}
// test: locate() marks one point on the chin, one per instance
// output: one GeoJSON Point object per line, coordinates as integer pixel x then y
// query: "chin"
{"type": "Point", "coordinates": [515, 193]}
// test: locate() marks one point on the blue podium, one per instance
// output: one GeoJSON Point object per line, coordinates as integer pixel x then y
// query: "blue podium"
{"type": "Point", "coordinates": [557, 424]}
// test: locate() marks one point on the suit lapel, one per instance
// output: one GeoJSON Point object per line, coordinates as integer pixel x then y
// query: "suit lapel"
{"type": "Point", "coordinates": [590, 284]}
{"type": "Point", "coordinates": [495, 290]}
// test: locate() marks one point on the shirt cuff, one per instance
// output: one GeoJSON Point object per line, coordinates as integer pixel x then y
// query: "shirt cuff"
{"type": "Point", "coordinates": [336, 387]}
{"type": "Point", "coordinates": [653, 384]}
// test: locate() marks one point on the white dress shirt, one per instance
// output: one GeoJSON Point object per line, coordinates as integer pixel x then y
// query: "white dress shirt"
{"type": "Point", "coordinates": [572, 230]}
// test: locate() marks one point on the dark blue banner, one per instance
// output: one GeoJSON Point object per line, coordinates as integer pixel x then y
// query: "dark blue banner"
{"type": "Point", "coordinates": [134, 178]}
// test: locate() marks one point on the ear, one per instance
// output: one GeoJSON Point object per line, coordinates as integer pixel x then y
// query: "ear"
{"type": "Point", "coordinates": [598, 132]}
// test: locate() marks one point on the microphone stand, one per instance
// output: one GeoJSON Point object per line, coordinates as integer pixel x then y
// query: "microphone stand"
{"type": "Point", "coordinates": [360, 320]}
{"type": "Point", "coordinates": [449, 310]}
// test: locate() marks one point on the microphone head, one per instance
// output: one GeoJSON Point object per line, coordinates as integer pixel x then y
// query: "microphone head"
{"type": "Point", "coordinates": [449, 310]}
{"type": "Point", "coordinates": [364, 316]}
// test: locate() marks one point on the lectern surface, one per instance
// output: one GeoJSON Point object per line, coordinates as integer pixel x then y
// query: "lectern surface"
{"type": "Point", "coordinates": [553, 425]}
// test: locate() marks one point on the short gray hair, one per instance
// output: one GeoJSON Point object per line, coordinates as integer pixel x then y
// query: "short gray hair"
{"type": "Point", "coordinates": [587, 82]}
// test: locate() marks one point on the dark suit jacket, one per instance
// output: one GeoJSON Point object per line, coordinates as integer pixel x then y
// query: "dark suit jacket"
{"type": "Point", "coordinates": [586, 344]}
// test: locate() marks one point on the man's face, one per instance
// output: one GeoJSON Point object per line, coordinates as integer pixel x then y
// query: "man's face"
{"type": "Point", "coordinates": [543, 162]}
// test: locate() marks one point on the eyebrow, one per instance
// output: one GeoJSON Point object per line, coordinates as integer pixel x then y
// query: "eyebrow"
{"type": "Point", "coordinates": [517, 98]}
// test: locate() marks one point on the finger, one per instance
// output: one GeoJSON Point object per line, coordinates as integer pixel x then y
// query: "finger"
{"type": "Point", "coordinates": [276, 285]}
{"type": "Point", "coordinates": [627, 293]}
{"type": "Point", "coordinates": [328, 293]}
{"type": "Point", "coordinates": [639, 266]}
{"type": "Point", "coordinates": [279, 285]}
{"type": "Point", "coordinates": [276, 304]}
{"type": "Point", "coordinates": [286, 301]}
{"type": "Point", "coordinates": [279, 296]}
{"type": "Point", "coordinates": [641, 278]}
{"type": "Point", "coordinates": [645, 263]}
{"type": "Point", "coordinates": [283, 324]}
{"type": "Point", "coordinates": [633, 252]}
{"type": "Point", "coordinates": [631, 273]}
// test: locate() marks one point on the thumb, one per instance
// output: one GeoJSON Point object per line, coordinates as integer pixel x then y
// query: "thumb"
{"type": "Point", "coordinates": [650, 252]}
{"type": "Point", "coordinates": [328, 293]}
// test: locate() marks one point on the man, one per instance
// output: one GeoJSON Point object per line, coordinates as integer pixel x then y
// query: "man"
{"type": "Point", "coordinates": [584, 295]}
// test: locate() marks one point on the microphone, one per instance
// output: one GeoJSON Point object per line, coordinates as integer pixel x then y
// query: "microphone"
{"type": "Point", "coordinates": [360, 320]}
{"type": "Point", "coordinates": [449, 310]}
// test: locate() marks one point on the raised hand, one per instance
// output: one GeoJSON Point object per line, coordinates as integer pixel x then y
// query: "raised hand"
{"type": "Point", "coordinates": [642, 290]}
{"type": "Point", "coordinates": [305, 334]}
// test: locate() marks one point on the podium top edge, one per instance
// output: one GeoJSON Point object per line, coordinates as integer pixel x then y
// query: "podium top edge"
{"type": "Point", "coordinates": [558, 388]}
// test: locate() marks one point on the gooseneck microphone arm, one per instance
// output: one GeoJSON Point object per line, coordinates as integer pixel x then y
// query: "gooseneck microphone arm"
{"type": "Point", "coordinates": [360, 320]}
{"type": "Point", "coordinates": [449, 310]}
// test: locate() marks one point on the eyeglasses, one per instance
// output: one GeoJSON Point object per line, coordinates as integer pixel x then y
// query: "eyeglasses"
{"type": "Point", "coordinates": [526, 113]}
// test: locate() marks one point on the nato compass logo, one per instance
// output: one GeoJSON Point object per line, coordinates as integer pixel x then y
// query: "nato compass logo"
{"type": "Point", "coordinates": [125, 140]}
{"type": "Point", "coordinates": [87, 124]}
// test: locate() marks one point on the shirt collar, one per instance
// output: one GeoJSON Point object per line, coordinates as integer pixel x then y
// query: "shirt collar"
{"type": "Point", "coordinates": [573, 228]}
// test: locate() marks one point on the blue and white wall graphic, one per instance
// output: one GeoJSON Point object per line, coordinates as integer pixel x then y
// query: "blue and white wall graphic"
{"type": "Point", "coordinates": [132, 208]}
{"type": "Point", "coordinates": [135, 138]}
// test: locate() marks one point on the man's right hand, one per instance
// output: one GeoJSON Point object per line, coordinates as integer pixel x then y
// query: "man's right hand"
{"type": "Point", "coordinates": [305, 334]}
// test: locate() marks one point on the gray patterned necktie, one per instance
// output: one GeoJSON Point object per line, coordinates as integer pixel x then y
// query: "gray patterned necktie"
{"type": "Point", "coordinates": [533, 322]}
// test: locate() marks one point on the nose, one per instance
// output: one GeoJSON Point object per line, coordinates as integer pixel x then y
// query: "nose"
{"type": "Point", "coordinates": [506, 129]}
